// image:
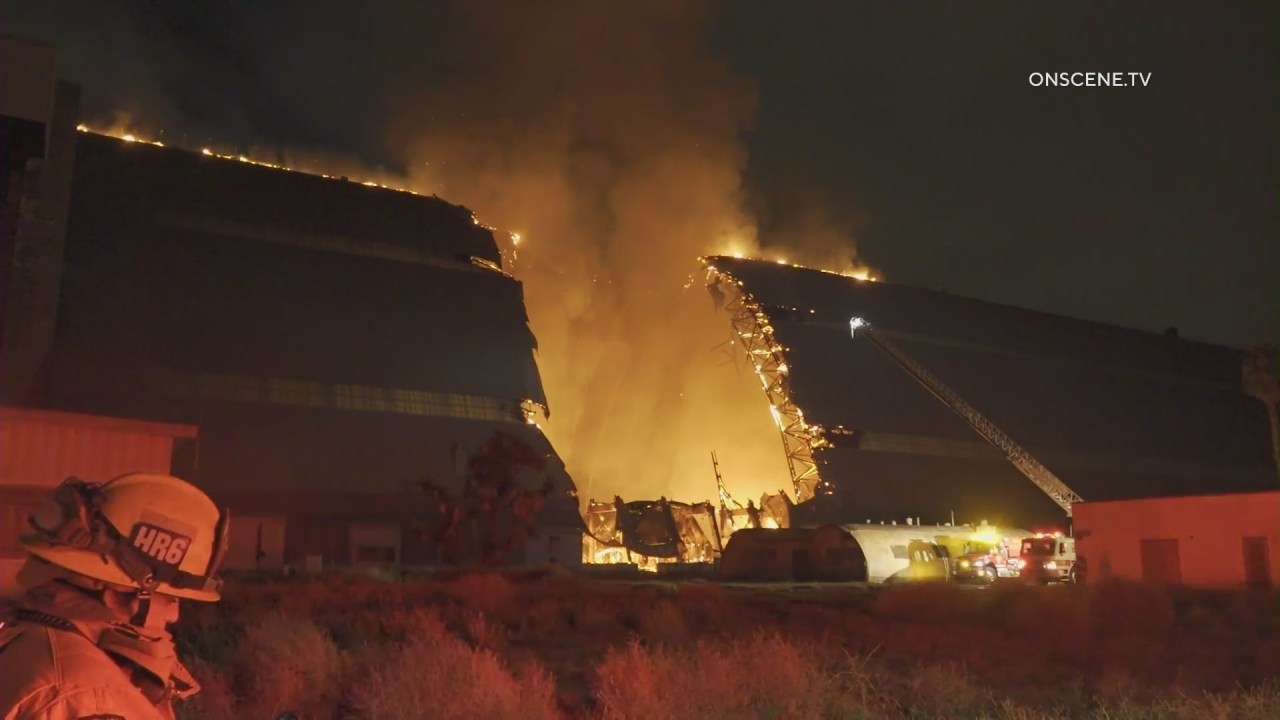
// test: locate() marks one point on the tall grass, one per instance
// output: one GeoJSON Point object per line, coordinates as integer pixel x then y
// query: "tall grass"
{"type": "Point", "coordinates": [485, 645]}
{"type": "Point", "coordinates": [435, 674]}
{"type": "Point", "coordinates": [758, 676]}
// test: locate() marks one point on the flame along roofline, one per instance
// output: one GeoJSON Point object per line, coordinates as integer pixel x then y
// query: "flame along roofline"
{"type": "Point", "coordinates": [208, 152]}
{"type": "Point", "coordinates": [865, 275]}
{"type": "Point", "coordinates": [516, 238]}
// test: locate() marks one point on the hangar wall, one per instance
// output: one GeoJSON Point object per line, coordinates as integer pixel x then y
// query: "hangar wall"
{"type": "Point", "coordinates": [334, 342]}
{"type": "Point", "coordinates": [1116, 413]}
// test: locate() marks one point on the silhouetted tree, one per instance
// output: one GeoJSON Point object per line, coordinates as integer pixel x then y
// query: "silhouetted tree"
{"type": "Point", "coordinates": [1260, 380]}
{"type": "Point", "coordinates": [492, 515]}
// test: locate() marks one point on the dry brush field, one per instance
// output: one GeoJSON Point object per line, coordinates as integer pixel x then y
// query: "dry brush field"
{"type": "Point", "coordinates": [555, 646]}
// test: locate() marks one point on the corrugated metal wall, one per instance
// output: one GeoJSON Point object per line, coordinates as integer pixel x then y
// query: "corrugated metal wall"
{"type": "Point", "coordinates": [1205, 541]}
{"type": "Point", "coordinates": [39, 448]}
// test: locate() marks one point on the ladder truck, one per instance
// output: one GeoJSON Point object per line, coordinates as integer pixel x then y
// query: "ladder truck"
{"type": "Point", "coordinates": [1042, 559]}
{"type": "Point", "coordinates": [1037, 473]}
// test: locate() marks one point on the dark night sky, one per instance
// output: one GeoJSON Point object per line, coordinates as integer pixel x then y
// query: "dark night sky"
{"type": "Point", "coordinates": [1144, 207]}
{"type": "Point", "coordinates": [917, 131]}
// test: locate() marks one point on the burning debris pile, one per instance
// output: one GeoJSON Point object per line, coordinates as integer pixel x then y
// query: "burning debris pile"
{"type": "Point", "coordinates": [648, 533]}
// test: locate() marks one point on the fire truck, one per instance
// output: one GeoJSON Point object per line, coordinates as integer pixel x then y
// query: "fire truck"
{"type": "Point", "coordinates": [986, 566]}
{"type": "Point", "coordinates": [989, 553]}
{"type": "Point", "coordinates": [1048, 558]}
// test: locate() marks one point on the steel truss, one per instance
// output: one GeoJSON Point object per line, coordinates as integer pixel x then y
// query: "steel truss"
{"type": "Point", "coordinates": [755, 331]}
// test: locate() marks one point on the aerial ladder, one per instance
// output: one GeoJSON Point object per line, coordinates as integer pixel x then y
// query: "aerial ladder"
{"type": "Point", "coordinates": [1038, 474]}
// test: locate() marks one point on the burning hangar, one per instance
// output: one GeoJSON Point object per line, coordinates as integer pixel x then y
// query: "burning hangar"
{"type": "Point", "coordinates": [937, 414]}
{"type": "Point", "coordinates": [1115, 413]}
{"type": "Point", "coordinates": [334, 343]}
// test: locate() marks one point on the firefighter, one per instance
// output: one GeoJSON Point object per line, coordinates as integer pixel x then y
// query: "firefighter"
{"type": "Point", "coordinates": [107, 566]}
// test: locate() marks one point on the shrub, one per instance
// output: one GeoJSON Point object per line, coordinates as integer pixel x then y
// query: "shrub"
{"type": "Point", "coordinates": [215, 701]}
{"type": "Point", "coordinates": [484, 633]}
{"type": "Point", "coordinates": [207, 638]}
{"type": "Point", "coordinates": [760, 676]}
{"type": "Point", "coordinates": [434, 674]}
{"type": "Point", "coordinates": [942, 691]}
{"type": "Point", "coordinates": [287, 664]}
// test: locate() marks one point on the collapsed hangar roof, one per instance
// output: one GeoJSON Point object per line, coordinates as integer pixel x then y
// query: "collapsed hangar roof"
{"type": "Point", "coordinates": [1114, 412]}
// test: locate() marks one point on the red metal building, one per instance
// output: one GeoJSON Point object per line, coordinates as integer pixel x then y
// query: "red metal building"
{"type": "Point", "coordinates": [41, 448]}
{"type": "Point", "coordinates": [1202, 540]}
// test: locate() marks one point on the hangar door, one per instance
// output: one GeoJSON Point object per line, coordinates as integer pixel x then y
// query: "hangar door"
{"type": "Point", "coordinates": [256, 543]}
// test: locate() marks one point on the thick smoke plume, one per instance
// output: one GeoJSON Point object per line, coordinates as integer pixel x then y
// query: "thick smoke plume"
{"type": "Point", "coordinates": [608, 136]}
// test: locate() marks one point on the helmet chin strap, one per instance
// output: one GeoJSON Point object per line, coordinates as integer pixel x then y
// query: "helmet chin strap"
{"type": "Point", "coordinates": [142, 617]}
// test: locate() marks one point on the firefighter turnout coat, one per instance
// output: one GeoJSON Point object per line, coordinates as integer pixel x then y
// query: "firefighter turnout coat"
{"type": "Point", "coordinates": [52, 668]}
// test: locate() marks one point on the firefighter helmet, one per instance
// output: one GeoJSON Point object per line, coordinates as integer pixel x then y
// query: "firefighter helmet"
{"type": "Point", "coordinates": [153, 532]}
